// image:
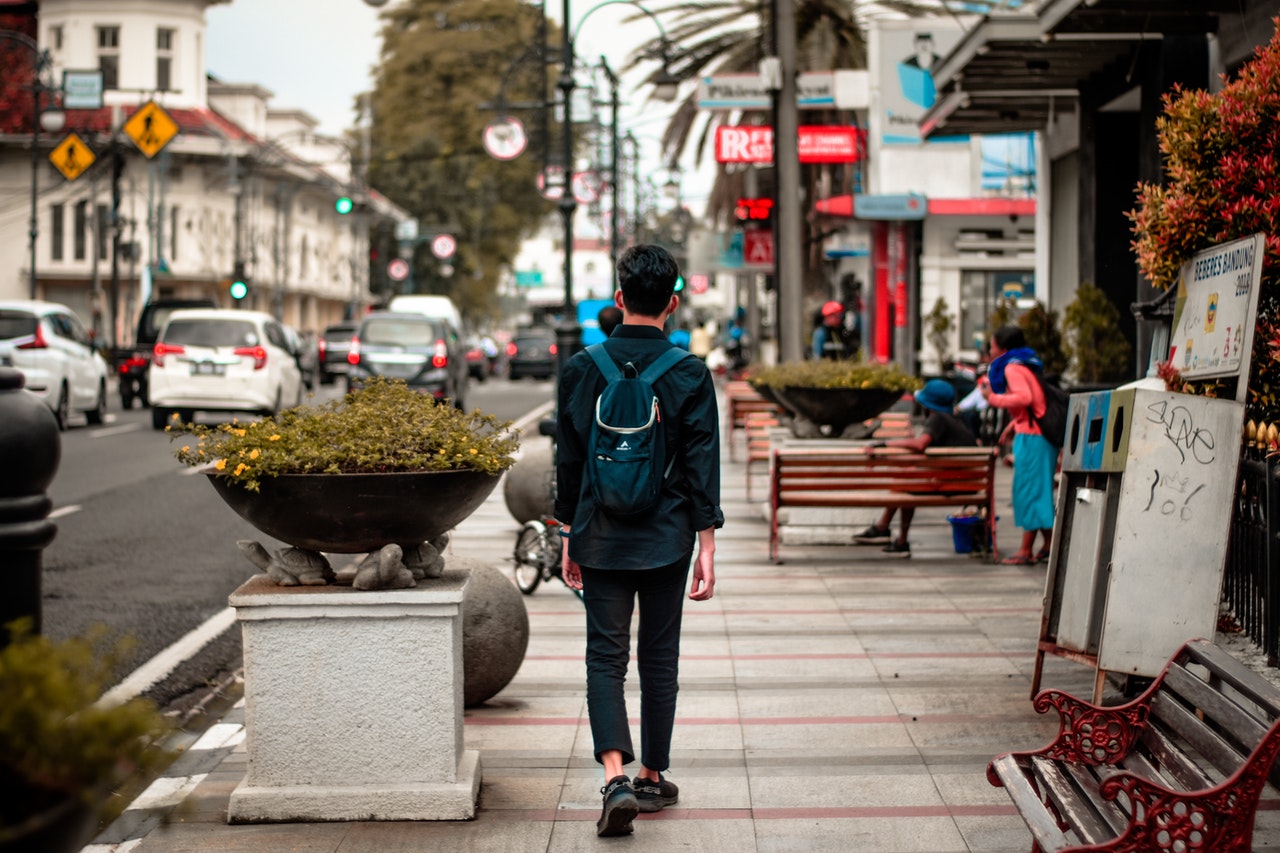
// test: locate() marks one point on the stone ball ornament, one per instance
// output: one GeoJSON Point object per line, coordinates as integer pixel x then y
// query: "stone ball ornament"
{"type": "Point", "coordinates": [526, 489]}
{"type": "Point", "coordinates": [495, 630]}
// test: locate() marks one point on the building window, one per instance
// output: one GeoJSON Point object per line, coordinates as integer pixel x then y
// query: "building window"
{"type": "Point", "coordinates": [164, 59]}
{"type": "Point", "coordinates": [55, 38]}
{"type": "Point", "coordinates": [101, 230]}
{"type": "Point", "coordinates": [57, 233]}
{"type": "Point", "coordinates": [983, 291]}
{"type": "Point", "coordinates": [109, 56]}
{"type": "Point", "coordinates": [81, 229]}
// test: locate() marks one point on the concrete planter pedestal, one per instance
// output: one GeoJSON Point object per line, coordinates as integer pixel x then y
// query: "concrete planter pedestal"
{"type": "Point", "coordinates": [353, 704]}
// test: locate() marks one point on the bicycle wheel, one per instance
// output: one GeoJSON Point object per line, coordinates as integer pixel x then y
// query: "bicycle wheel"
{"type": "Point", "coordinates": [531, 555]}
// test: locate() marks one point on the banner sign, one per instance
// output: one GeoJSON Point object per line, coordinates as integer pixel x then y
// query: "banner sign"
{"type": "Point", "coordinates": [1217, 310]}
{"type": "Point", "coordinates": [814, 90]}
{"type": "Point", "coordinates": [817, 143]}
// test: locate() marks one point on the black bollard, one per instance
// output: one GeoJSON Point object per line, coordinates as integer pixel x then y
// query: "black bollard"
{"type": "Point", "coordinates": [30, 450]}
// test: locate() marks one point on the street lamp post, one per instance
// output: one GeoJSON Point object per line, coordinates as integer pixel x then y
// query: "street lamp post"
{"type": "Point", "coordinates": [52, 119]}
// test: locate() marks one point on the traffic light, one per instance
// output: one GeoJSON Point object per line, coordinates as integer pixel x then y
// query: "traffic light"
{"type": "Point", "coordinates": [344, 205]}
{"type": "Point", "coordinates": [679, 283]}
{"type": "Point", "coordinates": [239, 283]}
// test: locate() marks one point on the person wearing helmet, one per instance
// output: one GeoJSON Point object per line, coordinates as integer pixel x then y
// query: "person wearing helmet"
{"type": "Point", "coordinates": [941, 429]}
{"type": "Point", "coordinates": [832, 338]}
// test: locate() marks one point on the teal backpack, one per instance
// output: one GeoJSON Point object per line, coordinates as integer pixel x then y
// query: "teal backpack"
{"type": "Point", "coordinates": [626, 451]}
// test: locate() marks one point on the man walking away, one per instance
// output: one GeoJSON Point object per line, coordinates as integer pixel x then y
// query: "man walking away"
{"type": "Point", "coordinates": [617, 559]}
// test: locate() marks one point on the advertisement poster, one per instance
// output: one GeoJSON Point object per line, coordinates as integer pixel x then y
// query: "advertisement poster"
{"type": "Point", "coordinates": [907, 57]}
{"type": "Point", "coordinates": [1216, 310]}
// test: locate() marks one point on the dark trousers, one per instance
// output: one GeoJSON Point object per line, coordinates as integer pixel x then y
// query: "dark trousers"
{"type": "Point", "coordinates": [610, 597]}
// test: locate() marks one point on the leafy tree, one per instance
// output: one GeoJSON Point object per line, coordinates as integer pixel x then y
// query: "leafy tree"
{"type": "Point", "coordinates": [1040, 327]}
{"type": "Point", "coordinates": [1222, 183]}
{"type": "Point", "coordinates": [1098, 350]}
{"type": "Point", "coordinates": [440, 60]}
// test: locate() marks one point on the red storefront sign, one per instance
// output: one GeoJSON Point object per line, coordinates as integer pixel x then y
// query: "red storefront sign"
{"type": "Point", "coordinates": [818, 144]}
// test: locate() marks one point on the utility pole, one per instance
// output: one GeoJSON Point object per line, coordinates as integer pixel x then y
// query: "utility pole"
{"type": "Point", "coordinates": [567, 332]}
{"type": "Point", "coordinates": [790, 284]}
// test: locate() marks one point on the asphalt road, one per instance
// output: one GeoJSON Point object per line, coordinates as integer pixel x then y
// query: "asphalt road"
{"type": "Point", "coordinates": [148, 549]}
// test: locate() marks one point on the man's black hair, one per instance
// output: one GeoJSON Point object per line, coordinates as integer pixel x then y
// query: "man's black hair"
{"type": "Point", "coordinates": [647, 278]}
{"type": "Point", "coordinates": [1009, 337]}
{"type": "Point", "coordinates": [609, 318]}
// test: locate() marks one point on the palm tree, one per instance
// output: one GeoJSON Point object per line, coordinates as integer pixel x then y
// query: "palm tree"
{"type": "Point", "coordinates": [732, 36]}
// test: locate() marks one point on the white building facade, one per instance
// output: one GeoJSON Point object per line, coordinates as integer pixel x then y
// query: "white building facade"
{"type": "Point", "coordinates": [242, 190]}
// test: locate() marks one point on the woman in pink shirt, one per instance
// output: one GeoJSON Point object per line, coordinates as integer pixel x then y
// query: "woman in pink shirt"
{"type": "Point", "coordinates": [1012, 383]}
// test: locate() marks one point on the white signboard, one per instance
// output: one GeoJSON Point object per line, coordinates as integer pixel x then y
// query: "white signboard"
{"type": "Point", "coordinates": [1217, 310]}
{"type": "Point", "coordinates": [907, 57]}
{"type": "Point", "coordinates": [814, 90]}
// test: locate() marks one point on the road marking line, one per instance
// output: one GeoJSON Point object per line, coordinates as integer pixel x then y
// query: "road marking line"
{"type": "Point", "coordinates": [153, 671]}
{"type": "Point", "coordinates": [116, 430]}
{"type": "Point", "coordinates": [122, 847]}
{"type": "Point", "coordinates": [219, 736]}
{"type": "Point", "coordinates": [167, 791]}
{"type": "Point", "coordinates": [65, 510]}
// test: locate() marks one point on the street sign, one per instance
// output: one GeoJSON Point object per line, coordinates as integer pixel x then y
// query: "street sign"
{"type": "Point", "coordinates": [551, 183]}
{"type": "Point", "coordinates": [757, 248]}
{"type": "Point", "coordinates": [72, 156]}
{"type": "Point", "coordinates": [587, 187]}
{"type": "Point", "coordinates": [407, 230]}
{"type": "Point", "coordinates": [814, 90]}
{"type": "Point", "coordinates": [443, 246]}
{"type": "Point", "coordinates": [398, 269]}
{"type": "Point", "coordinates": [816, 144]}
{"type": "Point", "coordinates": [82, 90]}
{"type": "Point", "coordinates": [505, 138]}
{"type": "Point", "coordinates": [151, 128]}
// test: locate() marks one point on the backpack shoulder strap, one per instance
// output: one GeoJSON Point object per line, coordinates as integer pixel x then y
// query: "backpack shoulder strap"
{"type": "Point", "coordinates": [663, 363]}
{"type": "Point", "coordinates": [606, 364]}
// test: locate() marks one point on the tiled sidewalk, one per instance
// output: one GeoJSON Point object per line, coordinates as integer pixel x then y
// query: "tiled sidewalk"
{"type": "Point", "coordinates": [841, 702]}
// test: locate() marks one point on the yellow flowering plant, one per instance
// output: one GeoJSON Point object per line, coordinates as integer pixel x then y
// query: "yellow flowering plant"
{"type": "Point", "coordinates": [382, 427]}
{"type": "Point", "coordinates": [833, 373]}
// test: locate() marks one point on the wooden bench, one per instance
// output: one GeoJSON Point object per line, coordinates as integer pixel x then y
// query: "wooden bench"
{"type": "Point", "coordinates": [756, 425]}
{"type": "Point", "coordinates": [887, 477]}
{"type": "Point", "coordinates": [740, 400]}
{"type": "Point", "coordinates": [1181, 767]}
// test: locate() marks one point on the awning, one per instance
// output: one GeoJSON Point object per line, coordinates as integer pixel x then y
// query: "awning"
{"type": "Point", "coordinates": [1012, 71]}
{"type": "Point", "coordinates": [843, 205]}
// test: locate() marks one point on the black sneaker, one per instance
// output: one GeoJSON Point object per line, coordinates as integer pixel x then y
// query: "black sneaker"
{"type": "Point", "coordinates": [620, 808]}
{"type": "Point", "coordinates": [655, 796]}
{"type": "Point", "coordinates": [898, 549]}
{"type": "Point", "coordinates": [873, 536]}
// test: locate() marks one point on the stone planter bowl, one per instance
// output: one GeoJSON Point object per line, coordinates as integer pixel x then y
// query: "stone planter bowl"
{"type": "Point", "coordinates": [358, 513]}
{"type": "Point", "coordinates": [838, 407]}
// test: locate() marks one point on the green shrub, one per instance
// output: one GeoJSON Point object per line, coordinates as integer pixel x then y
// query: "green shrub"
{"type": "Point", "coordinates": [55, 742]}
{"type": "Point", "coordinates": [830, 373]}
{"type": "Point", "coordinates": [384, 426]}
{"type": "Point", "coordinates": [1098, 350]}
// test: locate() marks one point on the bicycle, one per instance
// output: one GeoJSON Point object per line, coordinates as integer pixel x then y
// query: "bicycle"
{"type": "Point", "coordinates": [537, 552]}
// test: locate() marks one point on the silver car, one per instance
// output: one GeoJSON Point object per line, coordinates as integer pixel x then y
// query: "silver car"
{"type": "Point", "coordinates": [49, 344]}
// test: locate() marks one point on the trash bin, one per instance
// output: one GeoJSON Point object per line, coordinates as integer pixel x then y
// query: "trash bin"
{"type": "Point", "coordinates": [967, 533]}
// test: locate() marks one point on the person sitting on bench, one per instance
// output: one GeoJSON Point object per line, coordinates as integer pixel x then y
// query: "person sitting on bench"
{"type": "Point", "coordinates": [941, 429]}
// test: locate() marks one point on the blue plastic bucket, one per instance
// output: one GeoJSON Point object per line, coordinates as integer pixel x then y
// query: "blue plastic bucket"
{"type": "Point", "coordinates": [967, 532]}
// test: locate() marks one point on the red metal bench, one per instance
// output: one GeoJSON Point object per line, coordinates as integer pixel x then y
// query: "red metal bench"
{"type": "Point", "coordinates": [740, 400]}
{"type": "Point", "coordinates": [887, 477]}
{"type": "Point", "coordinates": [1181, 767]}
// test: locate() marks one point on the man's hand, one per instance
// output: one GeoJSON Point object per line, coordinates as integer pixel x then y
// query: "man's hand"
{"type": "Point", "coordinates": [570, 571]}
{"type": "Point", "coordinates": [704, 568]}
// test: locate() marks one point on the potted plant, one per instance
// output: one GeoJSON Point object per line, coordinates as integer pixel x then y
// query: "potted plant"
{"type": "Point", "coordinates": [1099, 352]}
{"type": "Point", "coordinates": [833, 393]}
{"type": "Point", "coordinates": [61, 750]}
{"type": "Point", "coordinates": [383, 466]}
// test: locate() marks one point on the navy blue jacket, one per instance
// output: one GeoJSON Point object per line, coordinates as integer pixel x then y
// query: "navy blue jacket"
{"type": "Point", "coordinates": [690, 499]}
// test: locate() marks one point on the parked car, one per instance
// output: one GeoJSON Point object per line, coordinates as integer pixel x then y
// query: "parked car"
{"type": "Point", "coordinates": [479, 360]}
{"type": "Point", "coordinates": [432, 305]}
{"type": "Point", "coordinates": [221, 360]}
{"type": "Point", "coordinates": [131, 361]}
{"type": "Point", "coordinates": [49, 344]}
{"type": "Point", "coordinates": [412, 347]}
{"type": "Point", "coordinates": [532, 352]}
{"type": "Point", "coordinates": [331, 351]}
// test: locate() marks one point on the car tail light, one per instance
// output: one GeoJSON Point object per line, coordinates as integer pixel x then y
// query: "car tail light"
{"type": "Point", "coordinates": [441, 358]}
{"type": "Point", "coordinates": [512, 349]}
{"type": "Point", "coordinates": [321, 346]}
{"type": "Point", "coordinates": [552, 349]}
{"type": "Point", "coordinates": [161, 350]}
{"type": "Point", "coordinates": [136, 360]}
{"type": "Point", "coordinates": [36, 342]}
{"type": "Point", "coordinates": [259, 355]}
{"type": "Point", "coordinates": [353, 353]}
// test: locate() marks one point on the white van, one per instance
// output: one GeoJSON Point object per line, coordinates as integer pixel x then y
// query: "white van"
{"type": "Point", "coordinates": [439, 307]}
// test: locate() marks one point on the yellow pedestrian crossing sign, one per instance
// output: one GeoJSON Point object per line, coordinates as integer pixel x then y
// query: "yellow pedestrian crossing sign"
{"type": "Point", "coordinates": [72, 156]}
{"type": "Point", "coordinates": [151, 128]}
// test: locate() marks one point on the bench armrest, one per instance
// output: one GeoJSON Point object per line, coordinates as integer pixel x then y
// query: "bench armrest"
{"type": "Point", "coordinates": [1219, 818]}
{"type": "Point", "coordinates": [1092, 734]}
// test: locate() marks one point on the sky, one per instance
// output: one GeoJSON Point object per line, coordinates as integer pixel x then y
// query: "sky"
{"type": "Point", "coordinates": [319, 61]}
